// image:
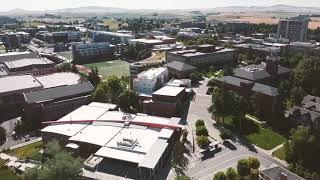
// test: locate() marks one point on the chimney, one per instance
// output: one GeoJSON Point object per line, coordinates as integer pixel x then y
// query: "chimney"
{"type": "Point", "coordinates": [272, 65]}
{"type": "Point", "coordinates": [283, 176]}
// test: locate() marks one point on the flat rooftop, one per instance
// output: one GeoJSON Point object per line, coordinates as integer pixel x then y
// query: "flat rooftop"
{"type": "Point", "coordinates": [58, 79]}
{"type": "Point", "coordinates": [169, 91]}
{"type": "Point", "coordinates": [133, 141]}
{"type": "Point", "coordinates": [18, 84]}
{"type": "Point", "coordinates": [27, 62]}
{"type": "Point", "coordinates": [151, 73]}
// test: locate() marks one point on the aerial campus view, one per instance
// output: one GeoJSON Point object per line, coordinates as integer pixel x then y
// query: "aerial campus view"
{"type": "Point", "coordinates": [160, 90]}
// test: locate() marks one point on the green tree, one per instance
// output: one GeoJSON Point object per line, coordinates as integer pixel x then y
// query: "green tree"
{"type": "Point", "coordinates": [254, 162]}
{"type": "Point", "coordinates": [63, 166]}
{"type": "Point", "coordinates": [3, 136]}
{"type": "Point", "coordinates": [129, 101]}
{"type": "Point", "coordinates": [201, 131]}
{"type": "Point", "coordinates": [113, 88]}
{"type": "Point", "coordinates": [243, 168]}
{"type": "Point", "coordinates": [203, 141]}
{"type": "Point", "coordinates": [220, 176]}
{"type": "Point", "coordinates": [199, 122]}
{"type": "Point", "coordinates": [196, 77]}
{"type": "Point", "coordinates": [302, 150]}
{"type": "Point", "coordinates": [232, 174]}
{"type": "Point", "coordinates": [93, 76]}
{"type": "Point", "coordinates": [178, 160]}
{"type": "Point", "coordinates": [99, 94]}
{"type": "Point", "coordinates": [52, 148]}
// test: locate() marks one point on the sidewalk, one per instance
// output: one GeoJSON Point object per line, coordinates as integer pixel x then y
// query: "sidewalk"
{"type": "Point", "coordinates": [26, 143]}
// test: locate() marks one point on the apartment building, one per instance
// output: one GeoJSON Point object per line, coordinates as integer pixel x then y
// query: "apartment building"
{"type": "Point", "coordinates": [92, 52]}
{"type": "Point", "coordinates": [111, 37]}
{"type": "Point", "coordinates": [294, 29]}
{"type": "Point", "coordinates": [149, 81]}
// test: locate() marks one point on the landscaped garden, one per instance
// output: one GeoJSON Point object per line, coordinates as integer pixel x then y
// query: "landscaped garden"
{"type": "Point", "coordinates": [27, 151]}
{"type": "Point", "coordinates": [7, 174]}
{"type": "Point", "coordinates": [280, 153]}
{"type": "Point", "coordinates": [108, 68]}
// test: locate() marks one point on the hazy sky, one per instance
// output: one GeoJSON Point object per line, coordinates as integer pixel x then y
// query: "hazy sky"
{"type": "Point", "coordinates": [6, 5]}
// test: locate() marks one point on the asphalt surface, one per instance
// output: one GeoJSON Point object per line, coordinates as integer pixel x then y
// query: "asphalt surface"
{"type": "Point", "coordinates": [205, 169]}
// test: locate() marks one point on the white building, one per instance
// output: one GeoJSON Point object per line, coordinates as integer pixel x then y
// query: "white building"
{"type": "Point", "coordinates": [149, 81]}
{"type": "Point", "coordinates": [119, 145]}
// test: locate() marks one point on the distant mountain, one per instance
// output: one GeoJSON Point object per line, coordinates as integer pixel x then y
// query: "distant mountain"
{"type": "Point", "coordinates": [96, 10]}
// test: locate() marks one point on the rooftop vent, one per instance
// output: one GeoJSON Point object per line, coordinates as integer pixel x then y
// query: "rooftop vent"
{"type": "Point", "coordinates": [127, 143]}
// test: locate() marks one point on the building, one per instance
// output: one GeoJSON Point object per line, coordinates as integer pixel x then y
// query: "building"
{"type": "Point", "coordinates": [258, 50]}
{"type": "Point", "coordinates": [93, 52]}
{"type": "Point", "coordinates": [309, 48]}
{"type": "Point", "coordinates": [294, 29]}
{"type": "Point", "coordinates": [308, 114]}
{"type": "Point", "coordinates": [179, 69]}
{"type": "Point", "coordinates": [15, 40]}
{"type": "Point", "coordinates": [12, 56]}
{"type": "Point", "coordinates": [166, 102]}
{"type": "Point", "coordinates": [35, 66]}
{"type": "Point", "coordinates": [54, 103]}
{"type": "Point", "coordinates": [269, 72]}
{"type": "Point", "coordinates": [111, 37]}
{"type": "Point", "coordinates": [149, 81]}
{"type": "Point", "coordinates": [275, 172]}
{"type": "Point", "coordinates": [266, 99]}
{"type": "Point", "coordinates": [66, 36]}
{"type": "Point", "coordinates": [116, 144]}
{"type": "Point", "coordinates": [204, 55]}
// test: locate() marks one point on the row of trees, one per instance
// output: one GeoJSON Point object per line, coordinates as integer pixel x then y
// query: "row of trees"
{"type": "Point", "coordinates": [202, 134]}
{"type": "Point", "coordinates": [246, 169]}
{"type": "Point", "coordinates": [198, 41]}
{"type": "Point", "coordinates": [246, 28]}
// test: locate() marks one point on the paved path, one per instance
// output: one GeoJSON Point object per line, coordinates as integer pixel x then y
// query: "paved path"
{"type": "Point", "coordinates": [26, 143]}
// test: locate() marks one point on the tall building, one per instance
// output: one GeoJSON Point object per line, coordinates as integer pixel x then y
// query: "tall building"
{"type": "Point", "coordinates": [111, 37]}
{"type": "Point", "coordinates": [294, 29]}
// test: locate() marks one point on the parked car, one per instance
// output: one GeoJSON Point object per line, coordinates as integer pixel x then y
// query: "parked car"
{"type": "Point", "coordinates": [229, 144]}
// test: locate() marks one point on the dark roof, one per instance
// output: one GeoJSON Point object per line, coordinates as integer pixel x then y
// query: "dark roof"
{"type": "Point", "coordinates": [274, 172]}
{"type": "Point", "coordinates": [256, 72]}
{"type": "Point", "coordinates": [180, 66]}
{"type": "Point", "coordinates": [58, 92]}
{"type": "Point", "coordinates": [257, 87]}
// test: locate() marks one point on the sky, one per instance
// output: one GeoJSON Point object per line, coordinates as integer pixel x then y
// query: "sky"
{"type": "Point", "coordinates": [146, 4]}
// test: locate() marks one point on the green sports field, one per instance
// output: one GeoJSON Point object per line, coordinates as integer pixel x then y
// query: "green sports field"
{"type": "Point", "coordinates": [117, 67]}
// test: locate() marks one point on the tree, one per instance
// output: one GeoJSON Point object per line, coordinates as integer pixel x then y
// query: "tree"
{"type": "Point", "coordinates": [232, 174]}
{"type": "Point", "coordinates": [113, 88]}
{"type": "Point", "coordinates": [184, 136]}
{"type": "Point", "coordinates": [254, 163]}
{"type": "Point", "coordinates": [203, 141]}
{"type": "Point", "coordinates": [243, 168]}
{"type": "Point", "coordinates": [99, 95]}
{"type": "Point", "coordinates": [178, 161]}
{"type": "Point", "coordinates": [3, 136]}
{"type": "Point", "coordinates": [302, 150]}
{"type": "Point", "coordinates": [201, 131]}
{"type": "Point", "coordinates": [196, 77]}
{"type": "Point", "coordinates": [199, 122]}
{"type": "Point", "coordinates": [52, 149]}
{"type": "Point", "coordinates": [220, 176]}
{"type": "Point", "coordinates": [296, 95]}
{"type": "Point", "coordinates": [129, 101]}
{"type": "Point", "coordinates": [93, 76]}
{"type": "Point", "coordinates": [63, 166]}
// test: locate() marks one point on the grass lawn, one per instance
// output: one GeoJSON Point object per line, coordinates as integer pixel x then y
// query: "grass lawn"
{"type": "Point", "coordinates": [108, 68]}
{"type": "Point", "coordinates": [37, 157]}
{"type": "Point", "coordinates": [7, 174]}
{"type": "Point", "coordinates": [266, 138]}
{"type": "Point", "coordinates": [280, 153]}
{"type": "Point", "coordinates": [26, 151]}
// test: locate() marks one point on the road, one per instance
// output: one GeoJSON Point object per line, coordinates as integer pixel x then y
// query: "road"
{"type": "Point", "coordinates": [205, 169]}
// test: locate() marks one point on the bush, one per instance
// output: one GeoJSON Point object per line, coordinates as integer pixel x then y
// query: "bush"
{"type": "Point", "coordinates": [202, 141]}
{"type": "Point", "coordinates": [232, 174]}
{"type": "Point", "coordinates": [201, 131]}
{"type": "Point", "coordinates": [182, 178]}
{"type": "Point", "coordinates": [226, 134]}
{"type": "Point", "coordinates": [199, 122]}
{"type": "Point", "coordinates": [220, 176]}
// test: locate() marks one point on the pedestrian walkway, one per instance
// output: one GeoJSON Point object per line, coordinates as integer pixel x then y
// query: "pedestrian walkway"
{"type": "Point", "coordinates": [26, 143]}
